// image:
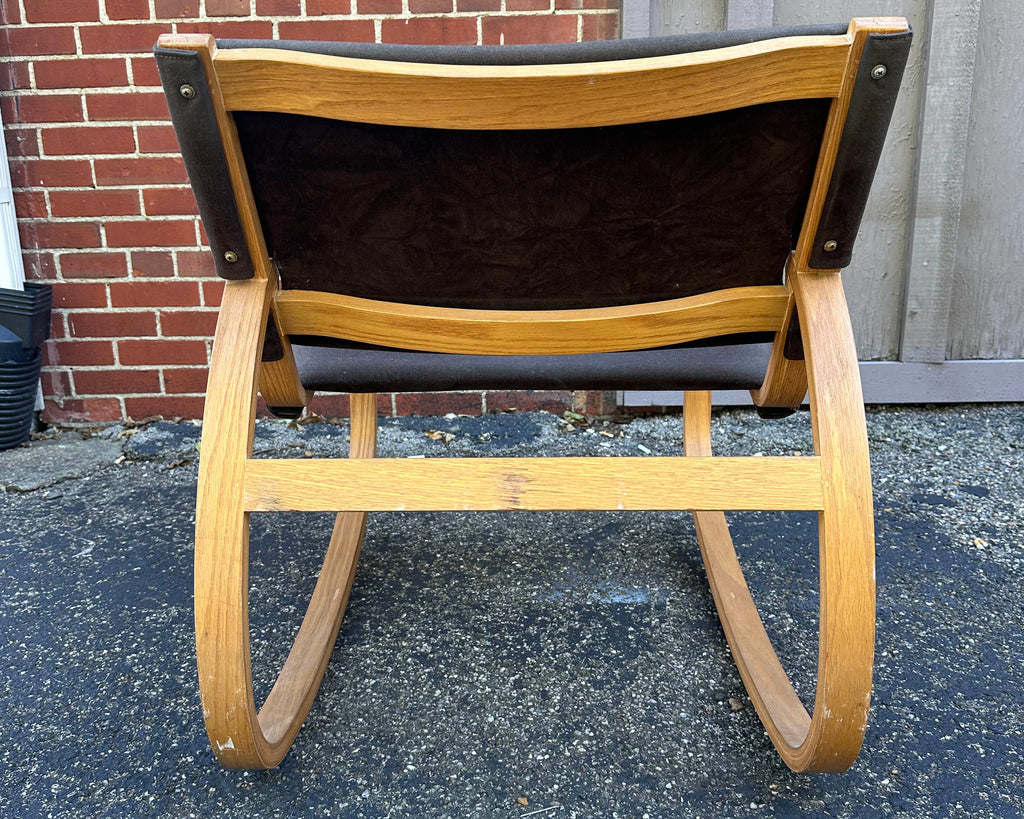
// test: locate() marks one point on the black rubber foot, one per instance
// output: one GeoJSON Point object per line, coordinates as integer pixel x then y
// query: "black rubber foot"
{"type": "Point", "coordinates": [291, 413]}
{"type": "Point", "coordinates": [774, 413]}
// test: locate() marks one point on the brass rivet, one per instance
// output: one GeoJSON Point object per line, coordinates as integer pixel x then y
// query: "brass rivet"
{"type": "Point", "coordinates": [878, 72]}
{"type": "Point", "coordinates": [187, 91]}
{"type": "Point", "coordinates": [231, 257]}
{"type": "Point", "coordinates": [831, 245]}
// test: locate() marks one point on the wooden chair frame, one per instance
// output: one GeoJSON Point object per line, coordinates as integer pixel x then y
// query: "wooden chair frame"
{"type": "Point", "coordinates": [835, 481]}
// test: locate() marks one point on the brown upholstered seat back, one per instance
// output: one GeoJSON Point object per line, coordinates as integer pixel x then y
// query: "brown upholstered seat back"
{"type": "Point", "coordinates": [537, 219]}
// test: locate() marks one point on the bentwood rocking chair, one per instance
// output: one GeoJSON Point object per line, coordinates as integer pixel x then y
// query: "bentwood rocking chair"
{"type": "Point", "coordinates": [670, 213]}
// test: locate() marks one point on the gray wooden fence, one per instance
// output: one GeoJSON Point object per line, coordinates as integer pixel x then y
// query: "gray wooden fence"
{"type": "Point", "coordinates": [937, 283]}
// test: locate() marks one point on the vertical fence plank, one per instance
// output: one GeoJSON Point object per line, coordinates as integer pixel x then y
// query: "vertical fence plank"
{"type": "Point", "coordinates": [685, 16]}
{"type": "Point", "coordinates": [987, 315]}
{"type": "Point", "coordinates": [636, 19]}
{"type": "Point", "coordinates": [749, 13]}
{"type": "Point", "coordinates": [945, 119]}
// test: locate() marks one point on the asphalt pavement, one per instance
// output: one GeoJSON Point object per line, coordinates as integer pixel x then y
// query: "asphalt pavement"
{"type": "Point", "coordinates": [510, 664]}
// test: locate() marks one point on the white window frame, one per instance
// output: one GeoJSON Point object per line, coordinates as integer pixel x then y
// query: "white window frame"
{"type": "Point", "coordinates": [12, 269]}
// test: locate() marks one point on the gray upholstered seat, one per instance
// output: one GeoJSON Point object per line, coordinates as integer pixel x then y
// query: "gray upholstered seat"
{"type": "Point", "coordinates": [333, 369]}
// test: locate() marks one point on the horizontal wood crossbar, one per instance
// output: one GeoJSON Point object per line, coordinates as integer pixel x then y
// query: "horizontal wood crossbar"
{"type": "Point", "coordinates": [551, 484]}
{"type": "Point", "coordinates": [533, 332]}
{"type": "Point", "coordinates": [505, 97]}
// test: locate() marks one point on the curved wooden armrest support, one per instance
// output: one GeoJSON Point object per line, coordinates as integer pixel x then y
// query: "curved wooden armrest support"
{"type": "Point", "coordinates": [785, 380]}
{"type": "Point", "coordinates": [830, 739]}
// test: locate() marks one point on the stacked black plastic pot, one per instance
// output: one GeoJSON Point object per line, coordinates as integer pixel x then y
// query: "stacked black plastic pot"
{"type": "Point", "coordinates": [24, 326]}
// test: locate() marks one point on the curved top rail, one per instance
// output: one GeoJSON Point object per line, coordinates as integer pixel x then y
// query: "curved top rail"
{"type": "Point", "coordinates": [507, 97]}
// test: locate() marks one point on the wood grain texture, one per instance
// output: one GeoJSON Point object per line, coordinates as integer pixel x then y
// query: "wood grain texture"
{"type": "Point", "coordinates": [875, 279]}
{"type": "Point", "coordinates": [222, 528]}
{"type": "Point", "coordinates": [296, 686]}
{"type": "Point", "coordinates": [505, 97]}
{"type": "Point", "coordinates": [845, 528]}
{"type": "Point", "coordinates": [206, 47]}
{"type": "Point", "coordinates": [835, 481]}
{"type": "Point", "coordinates": [533, 484]}
{"type": "Point", "coordinates": [533, 332]}
{"type": "Point", "coordinates": [278, 380]}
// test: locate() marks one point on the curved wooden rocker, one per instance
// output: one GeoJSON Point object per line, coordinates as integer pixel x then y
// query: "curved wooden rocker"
{"type": "Point", "coordinates": [831, 738]}
{"type": "Point", "coordinates": [243, 736]}
{"type": "Point", "coordinates": [349, 273]}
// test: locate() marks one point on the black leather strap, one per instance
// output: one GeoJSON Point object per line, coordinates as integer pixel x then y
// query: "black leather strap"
{"type": "Point", "coordinates": [195, 124]}
{"type": "Point", "coordinates": [871, 106]}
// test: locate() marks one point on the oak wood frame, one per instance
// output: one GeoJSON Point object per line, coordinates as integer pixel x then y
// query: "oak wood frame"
{"type": "Point", "coordinates": [835, 481]}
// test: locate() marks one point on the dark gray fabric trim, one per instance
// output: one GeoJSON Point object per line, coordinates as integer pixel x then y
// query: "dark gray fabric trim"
{"type": "Point", "coordinates": [195, 125]}
{"type": "Point", "coordinates": [273, 349]}
{"type": "Point", "coordinates": [332, 369]}
{"type": "Point", "coordinates": [793, 350]}
{"type": "Point", "coordinates": [867, 123]}
{"type": "Point", "coordinates": [545, 54]}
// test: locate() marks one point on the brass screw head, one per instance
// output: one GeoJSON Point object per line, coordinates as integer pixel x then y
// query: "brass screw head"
{"type": "Point", "coordinates": [231, 257]}
{"type": "Point", "coordinates": [878, 72]}
{"type": "Point", "coordinates": [187, 91]}
{"type": "Point", "coordinates": [831, 245]}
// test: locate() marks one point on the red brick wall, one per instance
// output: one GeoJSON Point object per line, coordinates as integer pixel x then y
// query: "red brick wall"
{"type": "Point", "coordinates": [105, 212]}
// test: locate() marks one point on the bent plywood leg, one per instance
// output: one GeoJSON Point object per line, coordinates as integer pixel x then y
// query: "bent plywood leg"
{"type": "Point", "coordinates": [785, 381]}
{"type": "Point", "coordinates": [279, 381]}
{"type": "Point", "coordinates": [240, 736]}
{"type": "Point", "coordinates": [830, 739]}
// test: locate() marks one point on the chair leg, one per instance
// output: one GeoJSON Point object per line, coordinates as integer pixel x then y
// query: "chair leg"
{"type": "Point", "coordinates": [830, 739]}
{"type": "Point", "coordinates": [296, 686]}
{"type": "Point", "coordinates": [241, 736]}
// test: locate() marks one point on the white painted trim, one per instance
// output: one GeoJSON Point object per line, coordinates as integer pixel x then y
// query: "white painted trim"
{"type": "Point", "coordinates": [12, 269]}
{"type": "Point", "coordinates": [890, 382]}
